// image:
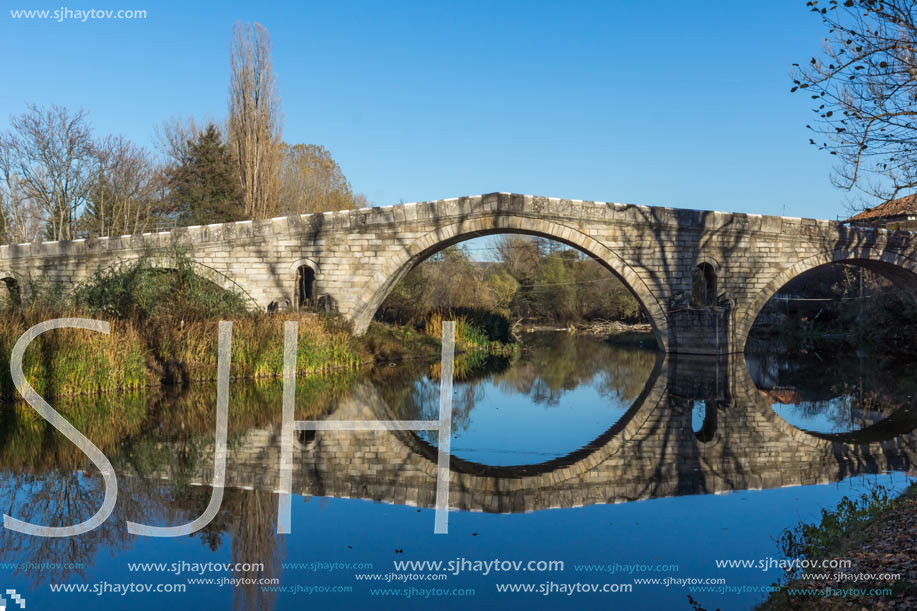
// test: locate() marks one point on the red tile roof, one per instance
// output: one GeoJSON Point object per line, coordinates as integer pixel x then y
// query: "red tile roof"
{"type": "Point", "coordinates": [891, 208]}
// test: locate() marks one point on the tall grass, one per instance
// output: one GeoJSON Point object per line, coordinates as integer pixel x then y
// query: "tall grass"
{"type": "Point", "coordinates": [73, 361]}
{"type": "Point", "coordinates": [66, 362]}
{"type": "Point", "coordinates": [467, 333]}
{"type": "Point", "coordinates": [163, 329]}
{"type": "Point", "coordinates": [257, 347]}
{"type": "Point", "coordinates": [179, 312]}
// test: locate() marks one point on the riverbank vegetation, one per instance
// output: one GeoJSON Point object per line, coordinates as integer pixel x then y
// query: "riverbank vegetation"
{"type": "Point", "coordinates": [875, 532]}
{"type": "Point", "coordinates": [841, 305]}
{"type": "Point", "coordinates": [517, 278]}
{"type": "Point", "coordinates": [163, 330]}
{"type": "Point", "coordinates": [496, 289]}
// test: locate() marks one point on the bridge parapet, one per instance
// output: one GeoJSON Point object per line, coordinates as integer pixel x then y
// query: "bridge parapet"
{"type": "Point", "coordinates": [356, 256]}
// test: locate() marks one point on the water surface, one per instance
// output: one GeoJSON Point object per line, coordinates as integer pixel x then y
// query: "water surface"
{"type": "Point", "coordinates": [578, 450]}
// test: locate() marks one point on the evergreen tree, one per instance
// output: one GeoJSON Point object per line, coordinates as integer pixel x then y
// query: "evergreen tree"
{"type": "Point", "coordinates": [205, 188]}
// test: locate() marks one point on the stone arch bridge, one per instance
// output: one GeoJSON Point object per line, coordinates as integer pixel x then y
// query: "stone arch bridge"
{"type": "Point", "coordinates": [350, 259]}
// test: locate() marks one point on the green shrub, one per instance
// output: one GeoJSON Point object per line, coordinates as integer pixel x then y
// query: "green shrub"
{"type": "Point", "coordinates": [815, 541]}
{"type": "Point", "coordinates": [137, 290]}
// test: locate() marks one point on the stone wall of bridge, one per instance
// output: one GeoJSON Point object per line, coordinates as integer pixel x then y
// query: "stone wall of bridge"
{"type": "Point", "coordinates": [358, 255]}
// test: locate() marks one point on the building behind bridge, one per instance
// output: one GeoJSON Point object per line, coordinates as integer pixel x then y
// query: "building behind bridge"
{"type": "Point", "coordinates": [895, 214]}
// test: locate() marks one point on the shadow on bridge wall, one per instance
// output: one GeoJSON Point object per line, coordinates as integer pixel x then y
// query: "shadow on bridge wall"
{"type": "Point", "coordinates": [503, 214]}
{"type": "Point", "coordinates": [667, 257]}
{"type": "Point", "coordinates": [657, 253]}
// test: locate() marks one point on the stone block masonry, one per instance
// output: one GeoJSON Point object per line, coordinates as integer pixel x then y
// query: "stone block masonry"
{"type": "Point", "coordinates": [357, 256]}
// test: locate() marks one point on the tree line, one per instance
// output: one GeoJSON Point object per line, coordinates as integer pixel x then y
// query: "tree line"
{"type": "Point", "coordinates": [521, 278]}
{"type": "Point", "coordinates": [59, 181]}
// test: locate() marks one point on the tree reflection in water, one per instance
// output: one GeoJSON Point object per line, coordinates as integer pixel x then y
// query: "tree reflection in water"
{"type": "Point", "coordinates": [45, 480]}
{"type": "Point", "coordinates": [548, 366]}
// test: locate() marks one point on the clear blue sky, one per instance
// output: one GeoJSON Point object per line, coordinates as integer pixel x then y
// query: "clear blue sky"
{"type": "Point", "coordinates": [674, 103]}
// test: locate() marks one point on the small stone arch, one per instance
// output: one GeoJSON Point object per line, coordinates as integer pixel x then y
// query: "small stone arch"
{"type": "Point", "coordinates": [10, 289]}
{"type": "Point", "coordinates": [898, 268]}
{"type": "Point", "coordinates": [423, 247]}
{"type": "Point", "coordinates": [704, 283]}
{"type": "Point", "coordinates": [305, 440]}
{"type": "Point", "coordinates": [304, 274]}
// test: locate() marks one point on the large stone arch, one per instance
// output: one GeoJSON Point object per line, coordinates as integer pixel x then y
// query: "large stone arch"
{"type": "Point", "coordinates": [395, 268]}
{"type": "Point", "coordinates": [897, 267]}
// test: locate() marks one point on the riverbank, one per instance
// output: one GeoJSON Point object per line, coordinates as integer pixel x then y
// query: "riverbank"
{"type": "Point", "coordinates": [879, 538]}
{"type": "Point", "coordinates": [883, 323]}
{"type": "Point", "coordinates": [140, 354]}
{"type": "Point", "coordinates": [638, 335]}
{"type": "Point", "coordinates": [172, 352]}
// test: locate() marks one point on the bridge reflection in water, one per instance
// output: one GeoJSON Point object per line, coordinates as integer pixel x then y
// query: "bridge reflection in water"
{"type": "Point", "coordinates": [653, 451]}
{"type": "Point", "coordinates": [658, 448]}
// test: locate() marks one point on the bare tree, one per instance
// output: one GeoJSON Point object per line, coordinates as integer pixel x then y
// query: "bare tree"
{"type": "Point", "coordinates": [864, 91]}
{"type": "Point", "coordinates": [254, 118]}
{"type": "Point", "coordinates": [174, 136]}
{"type": "Point", "coordinates": [360, 200]}
{"type": "Point", "coordinates": [126, 196]}
{"type": "Point", "coordinates": [23, 220]}
{"type": "Point", "coordinates": [450, 279]}
{"type": "Point", "coordinates": [521, 255]}
{"type": "Point", "coordinates": [51, 156]}
{"type": "Point", "coordinates": [312, 181]}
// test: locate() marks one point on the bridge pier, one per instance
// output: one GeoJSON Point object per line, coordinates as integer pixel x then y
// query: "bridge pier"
{"type": "Point", "coordinates": [703, 377]}
{"type": "Point", "coordinates": [702, 331]}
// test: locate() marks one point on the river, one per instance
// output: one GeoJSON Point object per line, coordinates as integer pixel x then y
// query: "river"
{"type": "Point", "coordinates": [575, 461]}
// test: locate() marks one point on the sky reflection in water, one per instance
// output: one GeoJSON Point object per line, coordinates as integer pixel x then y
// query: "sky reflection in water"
{"type": "Point", "coordinates": [564, 392]}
